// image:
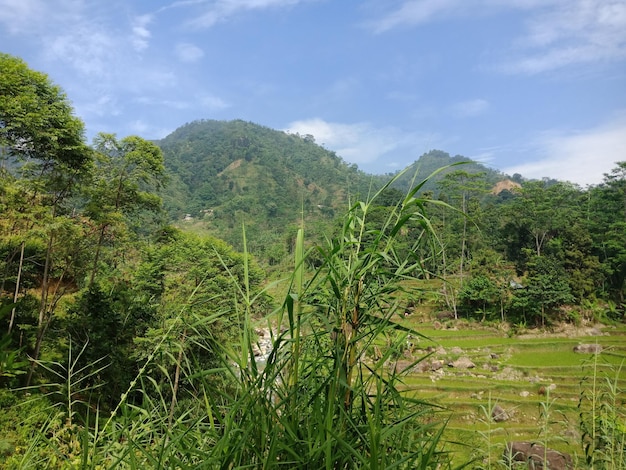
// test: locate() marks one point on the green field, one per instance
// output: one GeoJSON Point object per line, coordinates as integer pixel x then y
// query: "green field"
{"type": "Point", "coordinates": [536, 378]}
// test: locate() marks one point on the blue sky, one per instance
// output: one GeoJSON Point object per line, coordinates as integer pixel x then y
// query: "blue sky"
{"type": "Point", "coordinates": [536, 87]}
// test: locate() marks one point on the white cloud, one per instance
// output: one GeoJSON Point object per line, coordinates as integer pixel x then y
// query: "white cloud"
{"type": "Point", "coordinates": [211, 102]}
{"type": "Point", "coordinates": [470, 108]}
{"type": "Point", "coordinates": [414, 12]}
{"type": "Point", "coordinates": [573, 32]}
{"type": "Point", "coordinates": [362, 143]}
{"type": "Point", "coordinates": [86, 48]}
{"type": "Point", "coordinates": [220, 10]}
{"type": "Point", "coordinates": [146, 130]}
{"type": "Point", "coordinates": [203, 100]}
{"type": "Point", "coordinates": [558, 32]}
{"type": "Point", "coordinates": [20, 15]}
{"type": "Point", "coordinates": [140, 32]}
{"type": "Point", "coordinates": [188, 52]}
{"type": "Point", "coordinates": [580, 157]}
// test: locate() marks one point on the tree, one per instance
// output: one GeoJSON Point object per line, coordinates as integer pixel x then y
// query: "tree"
{"type": "Point", "coordinates": [39, 130]}
{"type": "Point", "coordinates": [543, 210]}
{"type": "Point", "coordinates": [479, 294]}
{"type": "Point", "coordinates": [128, 174]}
{"type": "Point", "coordinates": [465, 187]}
{"type": "Point", "coordinates": [607, 223]}
{"type": "Point", "coordinates": [44, 142]}
{"type": "Point", "coordinates": [546, 288]}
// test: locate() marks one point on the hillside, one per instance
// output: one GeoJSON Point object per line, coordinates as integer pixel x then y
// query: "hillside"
{"type": "Point", "coordinates": [224, 173]}
{"type": "Point", "coordinates": [435, 159]}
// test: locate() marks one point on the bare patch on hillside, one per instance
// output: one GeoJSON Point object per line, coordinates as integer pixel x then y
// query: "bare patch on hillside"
{"type": "Point", "coordinates": [232, 166]}
{"type": "Point", "coordinates": [507, 185]}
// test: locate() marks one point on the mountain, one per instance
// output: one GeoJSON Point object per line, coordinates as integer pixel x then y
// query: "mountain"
{"type": "Point", "coordinates": [223, 173]}
{"type": "Point", "coordinates": [226, 173]}
{"type": "Point", "coordinates": [436, 159]}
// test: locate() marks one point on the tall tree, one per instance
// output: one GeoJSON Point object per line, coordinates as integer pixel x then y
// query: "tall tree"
{"type": "Point", "coordinates": [128, 174]}
{"type": "Point", "coordinates": [607, 224]}
{"type": "Point", "coordinates": [44, 141]}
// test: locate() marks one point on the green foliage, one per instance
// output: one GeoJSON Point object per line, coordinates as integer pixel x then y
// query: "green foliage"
{"type": "Point", "coordinates": [318, 401]}
{"type": "Point", "coordinates": [11, 364]}
{"type": "Point", "coordinates": [546, 289]}
{"type": "Point", "coordinates": [431, 162]}
{"type": "Point", "coordinates": [479, 294]}
{"type": "Point", "coordinates": [38, 124]}
{"type": "Point", "coordinates": [602, 416]}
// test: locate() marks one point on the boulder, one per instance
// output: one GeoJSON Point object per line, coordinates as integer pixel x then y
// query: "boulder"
{"type": "Point", "coordinates": [498, 414]}
{"type": "Point", "coordinates": [533, 454]}
{"type": "Point", "coordinates": [431, 365]}
{"type": "Point", "coordinates": [462, 363]}
{"type": "Point", "coordinates": [588, 348]}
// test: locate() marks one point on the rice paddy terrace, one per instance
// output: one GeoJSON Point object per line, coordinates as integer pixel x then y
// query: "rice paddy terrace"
{"type": "Point", "coordinates": [536, 379]}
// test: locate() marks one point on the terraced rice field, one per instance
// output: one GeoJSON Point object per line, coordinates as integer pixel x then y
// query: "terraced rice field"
{"type": "Point", "coordinates": [536, 378]}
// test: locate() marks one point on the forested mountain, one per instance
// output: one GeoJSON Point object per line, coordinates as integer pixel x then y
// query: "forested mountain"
{"type": "Point", "coordinates": [434, 160]}
{"type": "Point", "coordinates": [225, 173]}
{"type": "Point", "coordinates": [238, 165]}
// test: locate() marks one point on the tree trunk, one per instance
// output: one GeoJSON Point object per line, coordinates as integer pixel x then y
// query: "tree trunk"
{"type": "Point", "coordinates": [43, 305]}
{"type": "Point", "coordinates": [96, 258]}
{"type": "Point", "coordinates": [17, 287]}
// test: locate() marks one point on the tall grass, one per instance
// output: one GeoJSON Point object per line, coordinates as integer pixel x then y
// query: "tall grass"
{"type": "Point", "coordinates": [603, 416]}
{"type": "Point", "coordinates": [319, 401]}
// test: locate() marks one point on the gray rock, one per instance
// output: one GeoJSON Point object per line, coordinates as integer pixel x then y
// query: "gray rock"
{"type": "Point", "coordinates": [429, 365]}
{"type": "Point", "coordinates": [462, 363]}
{"type": "Point", "coordinates": [533, 455]}
{"type": "Point", "coordinates": [499, 414]}
{"type": "Point", "coordinates": [588, 349]}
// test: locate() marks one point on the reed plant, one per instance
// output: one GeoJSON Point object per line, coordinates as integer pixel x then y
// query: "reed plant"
{"type": "Point", "coordinates": [602, 415]}
{"type": "Point", "coordinates": [319, 400]}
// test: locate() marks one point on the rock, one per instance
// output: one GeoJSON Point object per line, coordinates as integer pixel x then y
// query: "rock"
{"type": "Point", "coordinates": [494, 356]}
{"type": "Point", "coordinates": [533, 454]}
{"type": "Point", "coordinates": [498, 414]}
{"type": "Point", "coordinates": [462, 363]}
{"type": "Point", "coordinates": [401, 366]}
{"type": "Point", "coordinates": [456, 350]}
{"type": "Point", "coordinates": [445, 315]}
{"type": "Point", "coordinates": [429, 365]}
{"type": "Point", "coordinates": [436, 365]}
{"type": "Point", "coordinates": [588, 348]}
{"type": "Point", "coordinates": [508, 373]}
{"type": "Point", "coordinates": [524, 393]}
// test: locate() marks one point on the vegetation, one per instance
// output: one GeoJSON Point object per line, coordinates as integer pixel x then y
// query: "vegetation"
{"type": "Point", "coordinates": [140, 329]}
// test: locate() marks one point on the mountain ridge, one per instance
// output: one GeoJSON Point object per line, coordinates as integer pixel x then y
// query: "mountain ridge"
{"type": "Point", "coordinates": [225, 173]}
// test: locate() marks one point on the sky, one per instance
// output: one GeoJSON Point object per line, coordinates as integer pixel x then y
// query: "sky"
{"type": "Point", "coordinates": [535, 87]}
